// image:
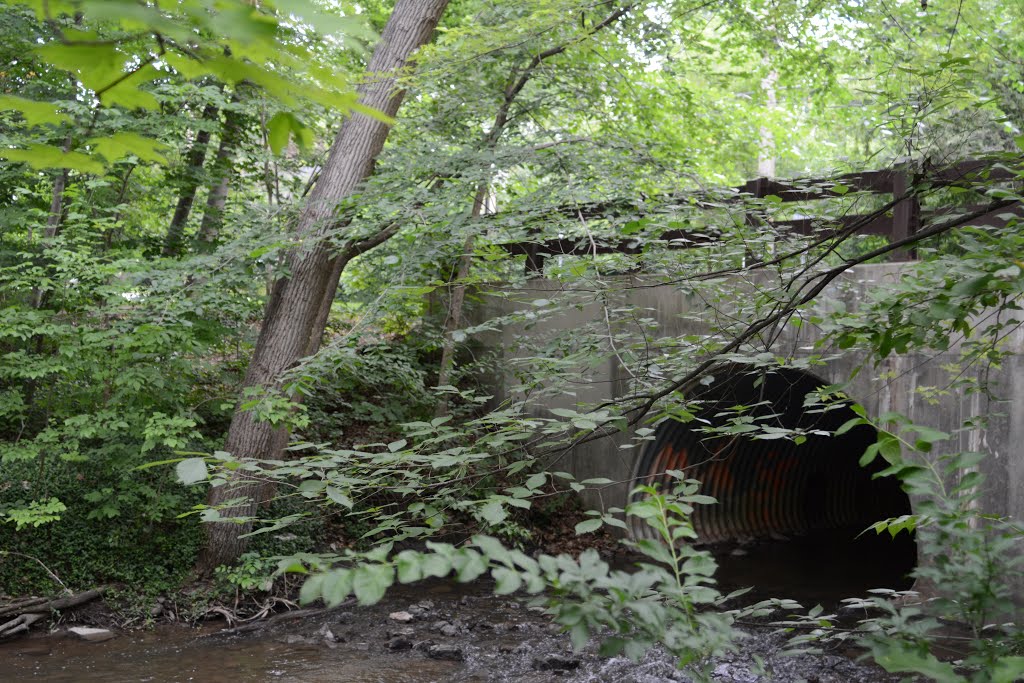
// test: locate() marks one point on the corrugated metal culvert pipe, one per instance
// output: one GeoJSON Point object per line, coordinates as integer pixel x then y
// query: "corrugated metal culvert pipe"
{"type": "Point", "coordinates": [770, 489]}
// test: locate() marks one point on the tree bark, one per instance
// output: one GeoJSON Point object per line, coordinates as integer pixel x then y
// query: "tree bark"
{"type": "Point", "coordinates": [766, 151]}
{"type": "Point", "coordinates": [220, 181]}
{"type": "Point", "coordinates": [191, 176]}
{"type": "Point", "coordinates": [295, 302]}
{"type": "Point", "coordinates": [456, 303]}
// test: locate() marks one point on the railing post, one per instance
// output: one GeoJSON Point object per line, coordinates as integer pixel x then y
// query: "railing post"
{"type": "Point", "coordinates": [534, 261]}
{"type": "Point", "coordinates": [906, 215]}
{"type": "Point", "coordinates": [758, 188]}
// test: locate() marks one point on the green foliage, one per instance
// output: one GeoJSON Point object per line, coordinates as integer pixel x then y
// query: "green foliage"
{"type": "Point", "coordinates": [114, 528]}
{"type": "Point", "coordinates": [36, 513]}
{"type": "Point", "coordinates": [251, 572]}
{"type": "Point", "coordinates": [375, 384]}
{"type": "Point", "coordinates": [119, 51]}
{"type": "Point", "coordinates": [663, 600]}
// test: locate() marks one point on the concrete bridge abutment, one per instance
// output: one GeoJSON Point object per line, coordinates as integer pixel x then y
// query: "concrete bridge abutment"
{"type": "Point", "coordinates": [771, 488]}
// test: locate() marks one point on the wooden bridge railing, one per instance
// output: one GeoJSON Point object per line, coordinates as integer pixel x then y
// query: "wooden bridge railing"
{"type": "Point", "coordinates": [904, 221]}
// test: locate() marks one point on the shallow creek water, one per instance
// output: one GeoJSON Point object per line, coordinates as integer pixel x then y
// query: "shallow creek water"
{"type": "Point", "coordinates": [458, 633]}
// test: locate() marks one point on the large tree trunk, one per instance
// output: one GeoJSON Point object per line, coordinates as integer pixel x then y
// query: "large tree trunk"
{"type": "Point", "coordinates": [191, 176]}
{"type": "Point", "coordinates": [296, 301]}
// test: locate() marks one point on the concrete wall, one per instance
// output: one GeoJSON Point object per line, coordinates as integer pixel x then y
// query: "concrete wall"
{"type": "Point", "coordinates": [895, 385]}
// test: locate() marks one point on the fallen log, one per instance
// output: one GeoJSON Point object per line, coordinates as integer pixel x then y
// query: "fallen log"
{"type": "Point", "coordinates": [19, 624]}
{"type": "Point", "coordinates": [21, 605]}
{"type": "Point", "coordinates": [31, 610]}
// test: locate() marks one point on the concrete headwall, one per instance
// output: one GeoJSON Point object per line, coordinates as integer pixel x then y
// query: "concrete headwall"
{"type": "Point", "coordinates": [913, 384]}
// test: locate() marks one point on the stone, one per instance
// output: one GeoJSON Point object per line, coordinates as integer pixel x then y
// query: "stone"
{"type": "Point", "coordinates": [404, 631]}
{"type": "Point", "coordinates": [449, 653]}
{"type": "Point", "coordinates": [327, 634]}
{"type": "Point", "coordinates": [402, 617]}
{"type": "Point", "coordinates": [446, 628]}
{"type": "Point", "coordinates": [555, 663]}
{"type": "Point", "coordinates": [734, 674]}
{"type": "Point", "coordinates": [92, 635]}
{"type": "Point", "coordinates": [421, 608]}
{"type": "Point", "coordinates": [399, 643]}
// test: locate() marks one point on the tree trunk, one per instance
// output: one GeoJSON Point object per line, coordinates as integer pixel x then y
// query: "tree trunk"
{"type": "Point", "coordinates": [295, 302]}
{"type": "Point", "coordinates": [53, 221]}
{"type": "Point", "coordinates": [456, 303]}
{"type": "Point", "coordinates": [220, 182]}
{"type": "Point", "coordinates": [767, 150]}
{"type": "Point", "coordinates": [190, 178]}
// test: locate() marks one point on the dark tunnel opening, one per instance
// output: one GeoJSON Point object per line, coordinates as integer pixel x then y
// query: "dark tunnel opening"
{"type": "Point", "coordinates": [789, 517]}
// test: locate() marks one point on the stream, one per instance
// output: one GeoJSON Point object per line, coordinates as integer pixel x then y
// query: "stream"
{"type": "Point", "coordinates": [454, 632]}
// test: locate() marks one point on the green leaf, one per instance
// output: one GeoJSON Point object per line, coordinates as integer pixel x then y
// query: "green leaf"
{"type": "Point", "coordinates": [579, 634]}
{"type": "Point", "coordinates": [468, 564]}
{"type": "Point", "coordinates": [97, 66]}
{"type": "Point", "coordinates": [191, 470]}
{"type": "Point", "coordinates": [278, 131]}
{"type": "Point", "coordinates": [336, 586]}
{"type": "Point", "coordinates": [312, 589]}
{"type": "Point", "coordinates": [1008, 669]}
{"type": "Point", "coordinates": [284, 125]}
{"type": "Point", "coordinates": [929, 435]}
{"type": "Point", "coordinates": [121, 145]}
{"type": "Point", "coordinates": [906, 660]}
{"type": "Point", "coordinates": [506, 581]}
{"type": "Point", "coordinates": [588, 525]}
{"type": "Point", "coordinates": [339, 497]}
{"type": "Point", "coordinates": [47, 156]}
{"type": "Point", "coordinates": [493, 512]}
{"type": "Point", "coordinates": [971, 287]}
{"type": "Point", "coordinates": [35, 113]}
{"type": "Point", "coordinates": [492, 548]}
{"type": "Point", "coordinates": [537, 480]}
{"type": "Point", "coordinates": [870, 453]}
{"type": "Point", "coordinates": [312, 487]}
{"type": "Point", "coordinates": [371, 581]}
{"type": "Point", "coordinates": [848, 425]}
{"type": "Point", "coordinates": [436, 565]}
{"type": "Point", "coordinates": [407, 563]}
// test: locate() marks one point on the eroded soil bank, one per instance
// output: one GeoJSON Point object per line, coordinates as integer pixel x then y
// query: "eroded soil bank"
{"type": "Point", "coordinates": [453, 633]}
